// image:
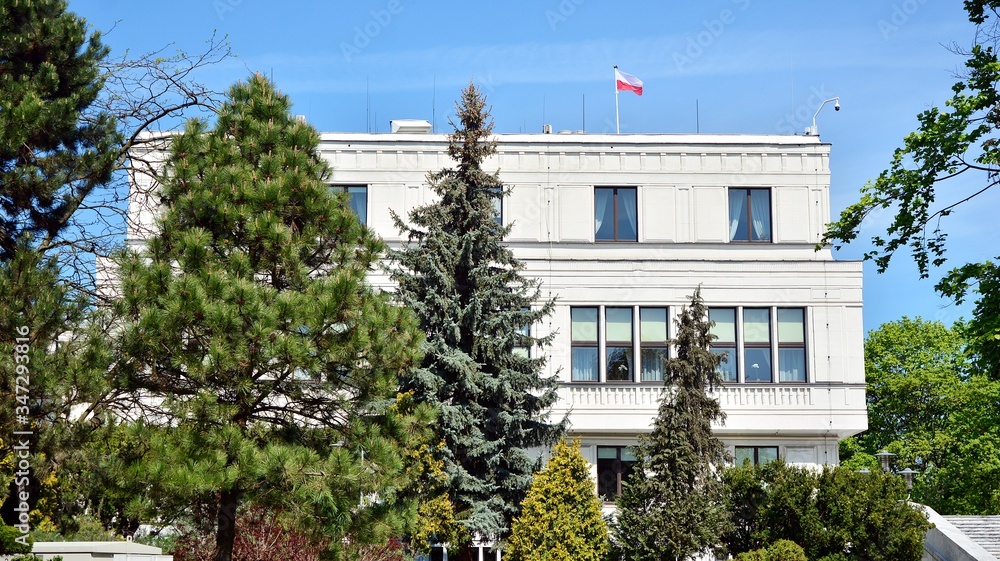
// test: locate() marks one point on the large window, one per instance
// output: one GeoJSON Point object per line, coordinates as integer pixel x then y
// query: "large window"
{"type": "Point", "coordinates": [614, 465]}
{"type": "Point", "coordinates": [357, 199]}
{"type": "Point", "coordinates": [750, 215]}
{"type": "Point", "coordinates": [496, 199]}
{"type": "Point", "coordinates": [757, 344]}
{"type": "Point", "coordinates": [791, 345]}
{"type": "Point", "coordinates": [615, 214]}
{"type": "Point", "coordinates": [746, 336]}
{"type": "Point", "coordinates": [755, 455]}
{"type": "Point", "coordinates": [724, 328]}
{"type": "Point", "coordinates": [653, 343]}
{"type": "Point", "coordinates": [585, 359]}
{"type": "Point", "coordinates": [610, 354]}
{"type": "Point", "coordinates": [618, 350]}
{"type": "Point", "coordinates": [523, 348]}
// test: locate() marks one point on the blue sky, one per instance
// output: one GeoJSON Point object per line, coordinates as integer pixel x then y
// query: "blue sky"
{"type": "Point", "coordinates": [750, 66]}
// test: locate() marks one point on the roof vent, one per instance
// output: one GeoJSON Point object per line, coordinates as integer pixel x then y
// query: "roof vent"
{"type": "Point", "coordinates": [404, 126]}
{"type": "Point", "coordinates": [546, 129]}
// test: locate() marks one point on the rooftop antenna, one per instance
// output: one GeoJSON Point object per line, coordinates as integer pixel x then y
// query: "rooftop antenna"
{"type": "Point", "coordinates": [584, 127]}
{"type": "Point", "coordinates": [434, 105]}
{"type": "Point", "coordinates": [697, 116]}
{"type": "Point", "coordinates": [543, 111]}
{"type": "Point", "coordinates": [368, 107]}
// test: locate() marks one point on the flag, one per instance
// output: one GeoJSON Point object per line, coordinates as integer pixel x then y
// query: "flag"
{"type": "Point", "coordinates": [625, 81]}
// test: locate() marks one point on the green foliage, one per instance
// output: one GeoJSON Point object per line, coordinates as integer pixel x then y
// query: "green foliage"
{"type": "Point", "coordinates": [781, 550]}
{"type": "Point", "coordinates": [249, 326]}
{"type": "Point", "coordinates": [54, 149]}
{"type": "Point", "coordinates": [672, 505]}
{"type": "Point", "coordinates": [836, 513]}
{"type": "Point", "coordinates": [467, 289]}
{"type": "Point", "coordinates": [9, 543]}
{"type": "Point", "coordinates": [929, 405]}
{"type": "Point", "coordinates": [958, 140]}
{"type": "Point", "coordinates": [561, 516]}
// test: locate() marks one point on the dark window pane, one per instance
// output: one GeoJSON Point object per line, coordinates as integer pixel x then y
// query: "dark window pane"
{"type": "Point", "coordinates": [585, 364]}
{"type": "Point", "coordinates": [619, 364]}
{"type": "Point", "coordinates": [604, 213]}
{"type": "Point", "coordinates": [758, 364]}
{"type": "Point", "coordinates": [767, 454]}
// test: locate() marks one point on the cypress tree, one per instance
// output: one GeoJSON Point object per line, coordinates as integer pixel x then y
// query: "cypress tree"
{"type": "Point", "coordinates": [473, 303]}
{"type": "Point", "coordinates": [672, 506]}
{"type": "Point", "coordinates": [561, 516]}
{"type": "Point", "coordinates": [248, 327]}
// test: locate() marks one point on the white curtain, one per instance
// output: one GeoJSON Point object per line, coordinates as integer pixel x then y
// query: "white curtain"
{"type": "Point", "coordinates": [627, 197]}
{"type": "Point", "coordinates": [585, 364]}
{"type": "Point", "coordinates": [792, 365]}
{"type": "Point", "coordinates": [601, 199]}
{"type": "Point", "coordinates": [737, 210]}
{"type": "Point", "coordinates": [760, 205]}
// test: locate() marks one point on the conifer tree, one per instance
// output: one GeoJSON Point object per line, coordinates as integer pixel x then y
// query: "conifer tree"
{"type": "Point", "coordinates": [672, 506]}
{"type": "Point", "coordinates": [473, 303]}
{"type": "Point", "coordinates": [54, 150]}
{"type": "Point", "coordinates": [561, 516]}
{"type": "Point", "coordinates": [248, 327]}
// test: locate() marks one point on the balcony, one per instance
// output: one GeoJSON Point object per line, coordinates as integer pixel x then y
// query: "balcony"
{"type": "Point", "coordinates": [802, 409]}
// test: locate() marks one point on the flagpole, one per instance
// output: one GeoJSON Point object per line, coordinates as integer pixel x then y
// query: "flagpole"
{"type": "Point", "coordinates": [618, 129]}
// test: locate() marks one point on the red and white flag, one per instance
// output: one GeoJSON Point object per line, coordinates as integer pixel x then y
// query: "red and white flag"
{"type": "Point", "coordinates": [626, 81]}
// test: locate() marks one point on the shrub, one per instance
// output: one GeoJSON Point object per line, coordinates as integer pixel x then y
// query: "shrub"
{"type": "Point", "coordinates": [9, 543]}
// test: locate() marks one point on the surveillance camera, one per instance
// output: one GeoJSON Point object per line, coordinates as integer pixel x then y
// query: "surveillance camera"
{"type": "Point", "coordinates": [836, 106]}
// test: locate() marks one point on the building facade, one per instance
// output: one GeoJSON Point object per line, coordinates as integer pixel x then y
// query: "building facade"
{"type": "Point", "coordinates": [621, 229]}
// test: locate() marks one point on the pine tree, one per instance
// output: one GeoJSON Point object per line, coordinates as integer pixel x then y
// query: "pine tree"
{"type": "Point", "coordinates": [248, 326]}
{"type": "Point", "coordinates": [473, 303]}
{"type": "Point", "coordinates": [561, 516]}
{"type": "Point", "coordinates": [54, 149]}
{"type": "Point", "coordinates": [672, 506]}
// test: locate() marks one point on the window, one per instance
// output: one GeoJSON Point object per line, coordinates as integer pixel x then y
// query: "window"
{"type": "Point", "coordinates": [791, 345]}
{"type": "Point", "coordinates": [585, 363]}
{"type": "Point", "coordinates": [618, 350]}
{"type": "Point", "coordinates": [496, 199]}
{"type": "Point", "coordinates": [755, 455]}
{"type": "Point", "coordinates": [653, 343]}
{"type": "Point", "coordinates": [757, 344]}
{"type": "Point", "coordinates": [614, 465]}
{"type": "Point", "coordinates": [611, 353]}
{"type": "Point", "coordinates": [746, 336]}
{"type": "Point", "coordinates": [750, 215]}
{"type": "Point", "coordinates": [724, 328]}
{"type": "Point", "coordinates": [524, 348]}
{"type": "Point", "coordinates": [615, 214]}
{"type": "Point", "coordinates": [357, 199]}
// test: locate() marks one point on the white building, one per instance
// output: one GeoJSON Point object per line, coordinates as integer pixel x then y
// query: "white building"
{"type": "Point", "coordinates": [621, 229]}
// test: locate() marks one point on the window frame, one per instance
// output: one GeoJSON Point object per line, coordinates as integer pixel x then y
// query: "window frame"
{"type": "Point", "coordinates": [608, 344]}
{"type": "Point", "coordinates": [614, 210]}
{"type": "Point", "coordinates": [656, 345]}
{"type": "Point", "coordinates": [595, 344]}
{"type": "Point", "coordinates": [734, 346]}
{"type": "Point", "coordinates": [346, 187]}
{"type": "Point", "coordinates": [792, 345]}
{"type": "Point", "coordinates": [755, 461]}
{"type": "Point", "coordinates": [769, 345]}
{"type": "Point", "coordinates": [619, 473]}
{"type": "Point", "coordinates": [749, 214]}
